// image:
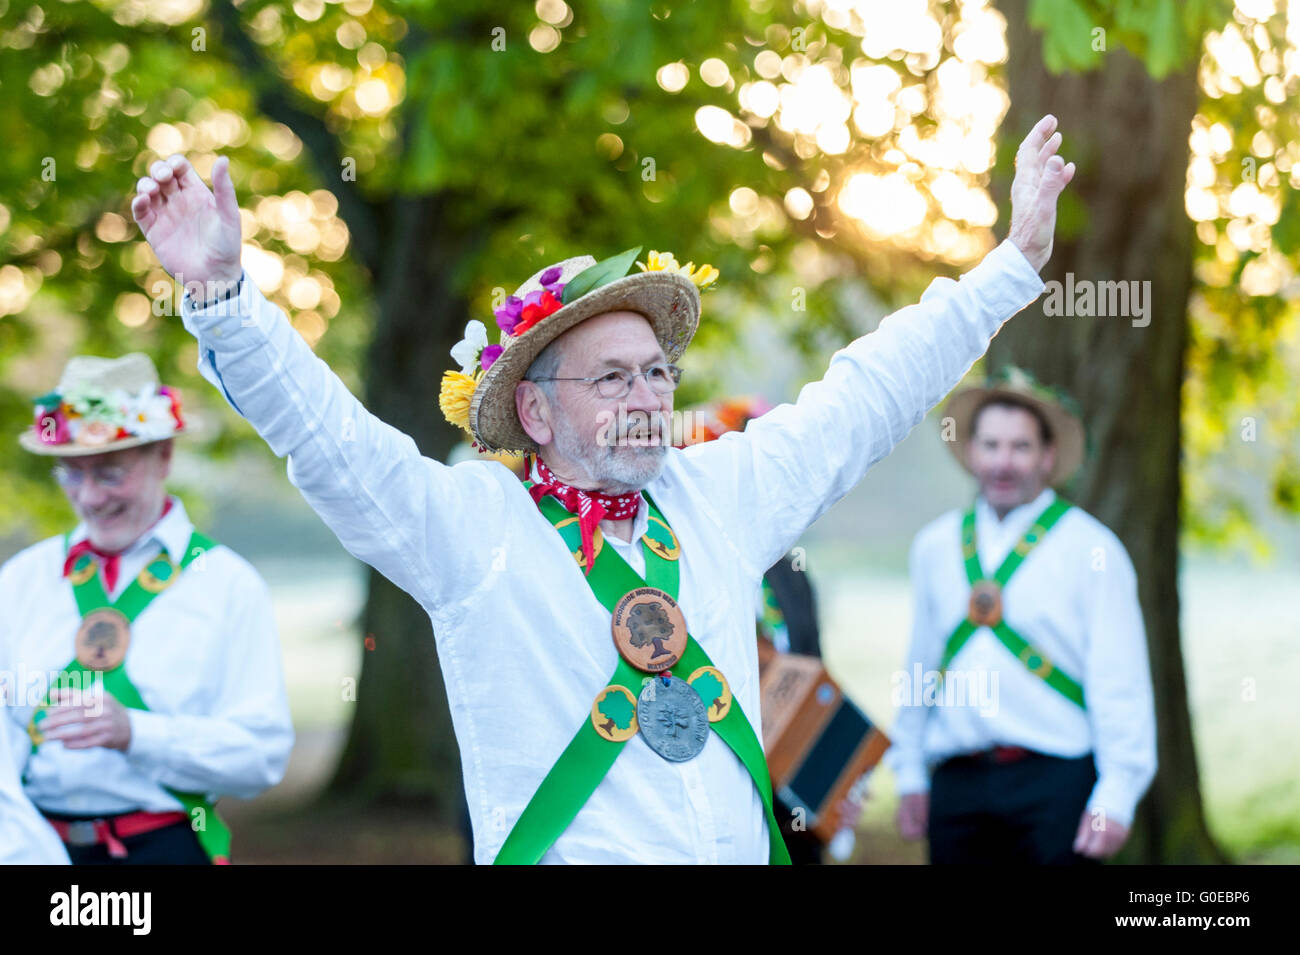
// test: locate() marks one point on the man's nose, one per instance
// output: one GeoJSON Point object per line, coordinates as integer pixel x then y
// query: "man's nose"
{"type": "Point", "coordinates": [642, 397]}
{"type": "Point", "coordinates": [90, 494]}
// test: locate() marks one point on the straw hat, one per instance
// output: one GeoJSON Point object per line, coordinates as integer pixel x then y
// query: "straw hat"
{"type": "Point", "coordinates": [104, 404]}
{"type": "Point", "coordinates": [563, 295]}
{"type": "Point", "coordinates": [1019, 386]}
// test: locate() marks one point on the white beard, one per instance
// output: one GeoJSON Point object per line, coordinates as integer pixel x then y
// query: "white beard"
{"type": "Point", "coordinates": [613, 467]}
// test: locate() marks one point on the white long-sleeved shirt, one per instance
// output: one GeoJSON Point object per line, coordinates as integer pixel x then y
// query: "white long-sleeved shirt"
{"type": "Point", "coordinates": [25, 838]}
{"type": "Point", "coordinates": [524, 645]}
{"type": "Point", "coordinates": [204, 656]}
{"type": "Point", "coordinates": [1075, 599]}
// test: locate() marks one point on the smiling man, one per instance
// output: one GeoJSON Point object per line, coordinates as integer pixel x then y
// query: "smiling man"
{"type": "Point", "coordinates": [1034, 597]}
{"type": "Point", "coordinates": [152, 680]}
{"type": "Point", "coordinates": [581, 741]}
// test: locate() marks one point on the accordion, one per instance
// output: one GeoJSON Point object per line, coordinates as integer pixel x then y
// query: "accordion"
{"type": "Point", "coordinates": [818, 744]}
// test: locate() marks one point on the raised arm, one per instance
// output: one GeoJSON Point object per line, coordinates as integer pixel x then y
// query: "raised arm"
{"type": "Point", "coordinates": [793, 463]}
{"type": "Point", "coordinates": [388, 505]}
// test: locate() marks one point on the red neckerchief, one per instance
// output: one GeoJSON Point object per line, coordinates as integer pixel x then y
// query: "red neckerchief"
{"type": "Point", "coordinates": [111, 563]}
{"type": "Point", "coordinates": [592, 507]}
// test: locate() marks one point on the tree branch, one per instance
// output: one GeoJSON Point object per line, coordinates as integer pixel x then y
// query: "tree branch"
{"type": "Point", "coordinates": [276, 99]}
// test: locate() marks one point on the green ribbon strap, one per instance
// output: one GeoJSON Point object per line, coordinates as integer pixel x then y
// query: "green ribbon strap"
{"type": "Point", "coordinates": [589, 756]}
{"type": "Point", "coordinates": [89, 591]}
{"type": "Point", "coordinates": [1033, 659]}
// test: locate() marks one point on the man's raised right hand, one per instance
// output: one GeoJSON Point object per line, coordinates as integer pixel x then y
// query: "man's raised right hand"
{"type": "Point", "coordinates": [194, 233]}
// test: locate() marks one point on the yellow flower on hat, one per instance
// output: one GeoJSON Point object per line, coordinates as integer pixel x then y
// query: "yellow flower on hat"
{"type": "Point", "coordinates": [454, 397]}
{"type": "Point", "coordinates": [659, 262]}
{"type": "Point", "coordinates": [703, 277]}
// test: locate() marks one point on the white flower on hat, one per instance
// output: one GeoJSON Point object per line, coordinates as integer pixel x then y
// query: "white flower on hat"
{"type": "Point", "coordinates": [470, 347]}
{"type": "Point", "coordinates": [94, 405]}
{"type": "Point", "coordinates": [150, 416]}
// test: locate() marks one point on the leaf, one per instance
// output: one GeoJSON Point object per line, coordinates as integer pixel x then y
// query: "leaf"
{"type": "Point", "coordinates": [602, 273]}
{"type": "Point", "coordinates": [1164, 49]}
{"type": "Point", "coordinates": [1069, 34]}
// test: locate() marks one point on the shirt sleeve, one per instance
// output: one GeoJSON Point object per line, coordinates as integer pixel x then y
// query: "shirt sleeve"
{"type": "Point", "coordinates": [25, 837]}
{"type": "Point", "coordinates": [389, 506]}
{"type": "Point", "coordinates": [906, 753]}
{"type": "Point", "coordinates": [241, 746]}
{"type": "Point", "coordinates": [1117, 684]}
{"type": "Point", "coordinates": [793, 463]}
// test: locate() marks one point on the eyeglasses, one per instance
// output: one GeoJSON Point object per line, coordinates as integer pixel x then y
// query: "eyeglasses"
{"type": "Point", "coordinates": [662, 379]}
{"type": "Point", "coordinates": [106, 475]}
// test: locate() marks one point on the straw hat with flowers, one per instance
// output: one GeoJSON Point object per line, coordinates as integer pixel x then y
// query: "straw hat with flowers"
{"type": "Point", "coordinates": [480, 397]}
{"type": "Point", "coordinates": [104, 404]}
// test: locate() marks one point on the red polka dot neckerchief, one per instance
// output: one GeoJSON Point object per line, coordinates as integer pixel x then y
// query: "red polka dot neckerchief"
{"type": "Point", "coordinates": [591, 507]}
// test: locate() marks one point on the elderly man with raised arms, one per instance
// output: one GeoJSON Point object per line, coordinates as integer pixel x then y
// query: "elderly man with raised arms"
{"type": "Point", "coordinates": [577, 747]}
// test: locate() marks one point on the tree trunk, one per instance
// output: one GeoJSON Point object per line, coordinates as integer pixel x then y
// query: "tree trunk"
{"type": "Point", "coordinates": [401, 748]}
{"type": "Point", "coordinates": [1128, 135]}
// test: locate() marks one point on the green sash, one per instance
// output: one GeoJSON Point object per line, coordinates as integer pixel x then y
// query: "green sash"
{"type": "Point", "coordinates": [589, 756]}
{"type": "Point", "coordinates": [89, 591]}
{"type": "Point", "coordinates": [1034, 659]}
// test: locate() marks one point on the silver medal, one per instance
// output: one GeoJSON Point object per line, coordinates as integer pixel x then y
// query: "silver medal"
{"type": "Point", "coordinates": [672, 718]}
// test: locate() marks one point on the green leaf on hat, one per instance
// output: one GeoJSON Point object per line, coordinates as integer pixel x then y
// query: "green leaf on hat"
{"type": "Point", "coordinates": [602, 273]}
{"type": "Point", "coordinates": [48, 401]}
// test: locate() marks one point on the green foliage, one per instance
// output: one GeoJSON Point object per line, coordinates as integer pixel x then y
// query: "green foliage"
{"type": "Point", "coordinates": [1164, 34]}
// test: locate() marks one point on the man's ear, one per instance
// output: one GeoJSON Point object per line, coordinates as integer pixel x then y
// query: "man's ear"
{"type": "Point", "coordinates": [164, 453]}
{"type": "Point", "coordinates": [534, 410]}
{"type": "Point", "coordinates": [1049, 460]}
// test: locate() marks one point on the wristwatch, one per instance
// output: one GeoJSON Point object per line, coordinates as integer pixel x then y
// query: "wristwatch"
{"type": "Point", "coordinates": [230, 293]}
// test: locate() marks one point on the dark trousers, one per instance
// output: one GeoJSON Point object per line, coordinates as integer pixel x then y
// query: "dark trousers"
{"type": "Point", "coordinates": [1025, 812]}
{"type": "Point", "coordinates": [171, 845]}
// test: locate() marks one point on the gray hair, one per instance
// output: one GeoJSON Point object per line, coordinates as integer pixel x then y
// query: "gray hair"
{"type": "Point", "coordinates": [544, 366]}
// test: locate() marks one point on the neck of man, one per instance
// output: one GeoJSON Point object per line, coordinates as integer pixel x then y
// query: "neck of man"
{"type": "Point", "coordinates": [574, 476]}
{"type": "Point", "coordinates": [1001, 512]}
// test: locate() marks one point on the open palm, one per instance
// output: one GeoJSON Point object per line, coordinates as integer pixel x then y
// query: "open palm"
{"type": "Point", "coordinates": [194, 232]}
{"type": "Point", "coordinates": [1041, 175]}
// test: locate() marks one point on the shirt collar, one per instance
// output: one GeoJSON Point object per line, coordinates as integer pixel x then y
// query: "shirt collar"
{"type": "Point", "coordinates": [172, 531]}
{"type": "Point", "coordinates": [1018, 518]}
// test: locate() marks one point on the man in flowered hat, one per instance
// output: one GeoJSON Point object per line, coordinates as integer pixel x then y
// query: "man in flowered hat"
{"type": "Point", "coordinates": [1028, 734]}
{"type": "Point", "coordinates": [140, 656]}
{"type": "Point", "coordinates": [581, 741]}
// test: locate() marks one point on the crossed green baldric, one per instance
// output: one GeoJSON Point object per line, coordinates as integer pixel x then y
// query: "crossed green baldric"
{"type": "Point", "coordinates": [1033, 659]}
{"type": "Point", "coordinates": [589, 756]}
{"type": "Point", "coordinates": [214, 837]}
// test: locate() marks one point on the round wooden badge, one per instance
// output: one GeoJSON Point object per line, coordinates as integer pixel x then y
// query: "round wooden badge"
{"type": "Point", "coordinates": [986, 604]}
{"type": "Point", "coordinates": [649, 629]}
{"type": "Point", "coordinates": [102, 639]}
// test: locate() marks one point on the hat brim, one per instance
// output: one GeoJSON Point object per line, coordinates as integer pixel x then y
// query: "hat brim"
{"type": "Point", "coordinates": [71, 449]}
{"type": "Point", "coordinates": [669, 301]}
{"type": "Point", "coordinates": [1068, 434]}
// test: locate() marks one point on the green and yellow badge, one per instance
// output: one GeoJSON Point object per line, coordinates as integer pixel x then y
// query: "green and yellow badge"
{"type": "Point", "coordinates": [613, 714]}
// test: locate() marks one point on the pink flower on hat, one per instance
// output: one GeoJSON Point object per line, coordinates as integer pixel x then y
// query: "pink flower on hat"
{"type": "Point", "coordinates": [51, 425]}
